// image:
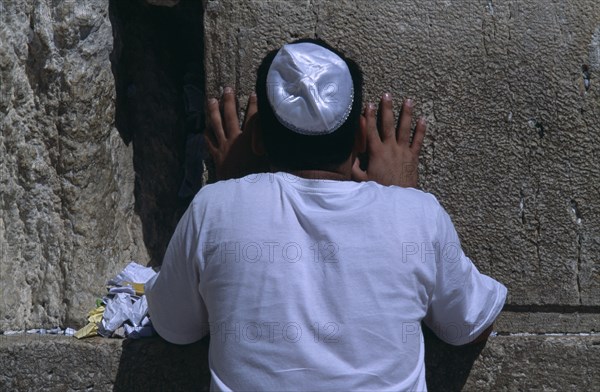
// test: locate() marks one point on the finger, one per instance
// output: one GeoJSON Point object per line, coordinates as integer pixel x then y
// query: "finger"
{"type": "Point", "coordinates": [417, 142]}
{"type": "Point", "coordinates": [369, 122]}
{"type": "Point", "coordinates": [251, 110]}
{"type": "Point", "coordinates": [386, 117]}
{"type": "Point", "coordinates": [230, 116]}
{"type": "Point", "coordinates": [403, 134]}
{"type": "Point", "coordinates": [357, 173]}
{"type": "Point", "coordinates": [215, 126]}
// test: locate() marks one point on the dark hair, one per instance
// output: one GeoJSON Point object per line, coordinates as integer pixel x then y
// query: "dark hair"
{"type": "Point", "coordinates": [289, 150]}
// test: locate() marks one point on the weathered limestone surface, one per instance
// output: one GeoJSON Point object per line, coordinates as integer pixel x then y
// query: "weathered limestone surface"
{"type": "Point", "coordinates": [67, 218]}
{"type": "Point", "coordinates": [504, 364]}
{"type": "Point", "coordinates": [512, 96]}
{"type": "Point", "coordinates": [547, 322]}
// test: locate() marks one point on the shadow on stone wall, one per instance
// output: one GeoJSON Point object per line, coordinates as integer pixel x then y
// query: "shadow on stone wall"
{"type": "Point", "coordinates": [157, 62]}
{"type": "Point", "coordinates": [448, 367]}
{"type": "Point", "coordinates": [154, 364]}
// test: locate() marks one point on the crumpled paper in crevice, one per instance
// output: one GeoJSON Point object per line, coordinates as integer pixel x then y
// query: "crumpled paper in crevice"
{"type": "Point", "coordinates": [123, 312]}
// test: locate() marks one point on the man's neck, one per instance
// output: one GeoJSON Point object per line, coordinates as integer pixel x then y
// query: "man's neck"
{"type": "Point", "coordinates": [320, 175]}
{"type": "Point", "coordinates": [342, 172]}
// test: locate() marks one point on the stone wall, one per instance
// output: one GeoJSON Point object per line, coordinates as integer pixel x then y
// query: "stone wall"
{"type": "Point", "coordinates": [511, 93]}
{"type": "Point", "coordinates": [99, 100]}
{"type": "Point", "coordinates": [67, 219]}
{"type": "Point", "coordinates": [511, 96]}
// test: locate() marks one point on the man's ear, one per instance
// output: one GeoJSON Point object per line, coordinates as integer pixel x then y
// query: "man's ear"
{"type": "Point", "coordinates": [360, 137]}
{"type": "Point", "coordinates": [258, 146]}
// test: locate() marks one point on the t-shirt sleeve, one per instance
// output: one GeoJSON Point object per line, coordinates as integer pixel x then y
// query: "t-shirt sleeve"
{"type": "Point", "coordinates": [464, 302]}
{"type": "Point", "coordinates": [175, 305]}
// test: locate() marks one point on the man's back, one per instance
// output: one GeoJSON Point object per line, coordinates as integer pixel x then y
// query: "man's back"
{"type": "Point", "coordinates": [305, 284]}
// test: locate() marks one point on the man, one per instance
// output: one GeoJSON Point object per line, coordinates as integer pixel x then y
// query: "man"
{"type": "Point", "coordinates": [318, 274]}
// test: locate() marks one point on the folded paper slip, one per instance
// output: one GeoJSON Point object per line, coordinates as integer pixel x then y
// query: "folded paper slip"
{"type": "Point", "coordinates": [88, 331]}
{"type": "Point", "coordinates": [133, 273]}
{"type": "Point", "coordinates": [95, 315]}
{"type": "Point", "coordinates": [138, 287]}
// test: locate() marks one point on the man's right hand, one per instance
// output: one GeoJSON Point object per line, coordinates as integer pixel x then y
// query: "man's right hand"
{"type": "Point", "coordinates": [229, 145]}
{"type": "Point", "coordinates": [393, 159]}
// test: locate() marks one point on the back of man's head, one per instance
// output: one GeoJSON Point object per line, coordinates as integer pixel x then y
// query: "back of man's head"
{"type": "Point", "coordinates": [290, 146]}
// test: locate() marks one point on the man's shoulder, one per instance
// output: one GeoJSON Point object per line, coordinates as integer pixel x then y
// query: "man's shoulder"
{"type": "Point", "coordinates": [262, 183]}
{"type": "Point", "coordinates": [225, 189]}
{"type": "Point", "coordinates": [404, 195]}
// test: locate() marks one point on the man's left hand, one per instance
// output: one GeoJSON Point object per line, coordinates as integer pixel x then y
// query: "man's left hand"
{"type": "Point", "coordinates": [392, 158]}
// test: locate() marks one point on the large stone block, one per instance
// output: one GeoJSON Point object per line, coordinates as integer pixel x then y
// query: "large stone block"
{"type": "Point", "coordinates": [513, 105]}
{"type": "Point", "coordinates": [548, 322]}
{"type": "Point", "coordinates": [67, 219]}
{"type": "Point", "coordinates": [45, 363]}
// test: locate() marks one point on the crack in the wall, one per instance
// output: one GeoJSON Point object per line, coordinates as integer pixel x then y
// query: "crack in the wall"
{"type": "Point", "coordinates": [538, 125]}
{"type": "Point", "coordinates": [158, 51]}
{"type": "Point", "coordinates": [553, 308]}
{"type": "Point", "coordinates": [577, 217]}
{"type": "Point", "coordinates": [578, 266]}
{"type": "Point", "coordinates": [483, 40]}
{"type": "Point", "coordinates": [522, 207]}
{"type": "Point", "coordinates": [490, 8]}
{"type": "Point", "coordinates": [315, 9]}
{"type": "Point", "coordinates": [537, 226]}
{"type": "Point", "coordinates": [534, 176]}
{"type": "Point", "coordinates": [575, 210]}
{"type": "Point", "coordinates": [537, 242]}
{"type": "Point", "coordinates": [431, 170]}
{"type": "Point", "coordinates": [516, 334]}
{"type": "Point", "coordinates": [68, 225]}
{"type": "Point", "coordinates": [587, 77]}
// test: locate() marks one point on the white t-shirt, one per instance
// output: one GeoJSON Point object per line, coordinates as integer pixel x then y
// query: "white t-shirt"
{"type": "Point", "coordinates": [318, 285]}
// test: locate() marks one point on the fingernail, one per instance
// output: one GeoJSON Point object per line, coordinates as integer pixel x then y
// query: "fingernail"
{"type": "Point", "coordinates": [371, 106]}
{"type": "Point", "coordinates": [423, 121]}
{"type": "Point", "coordinates": [253, 95]}
{"type": "Point", "coordinates": [409, 103]}
{"type": "Point", "coordinates": [228, 90]}
{"type": "Point", "coordinates": [387, 97]}
{"type": "Point", "coordinates": [212, 101]}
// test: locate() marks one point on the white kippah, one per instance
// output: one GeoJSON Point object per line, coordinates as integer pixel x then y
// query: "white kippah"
{"type": "Point", "coordinates": [310, 89]}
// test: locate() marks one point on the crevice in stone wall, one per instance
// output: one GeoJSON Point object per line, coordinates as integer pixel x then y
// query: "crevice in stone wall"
{"type": "Point", "coordinates": [558, 309]}
{"type": "Point", "coordinates": [157, 62]}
